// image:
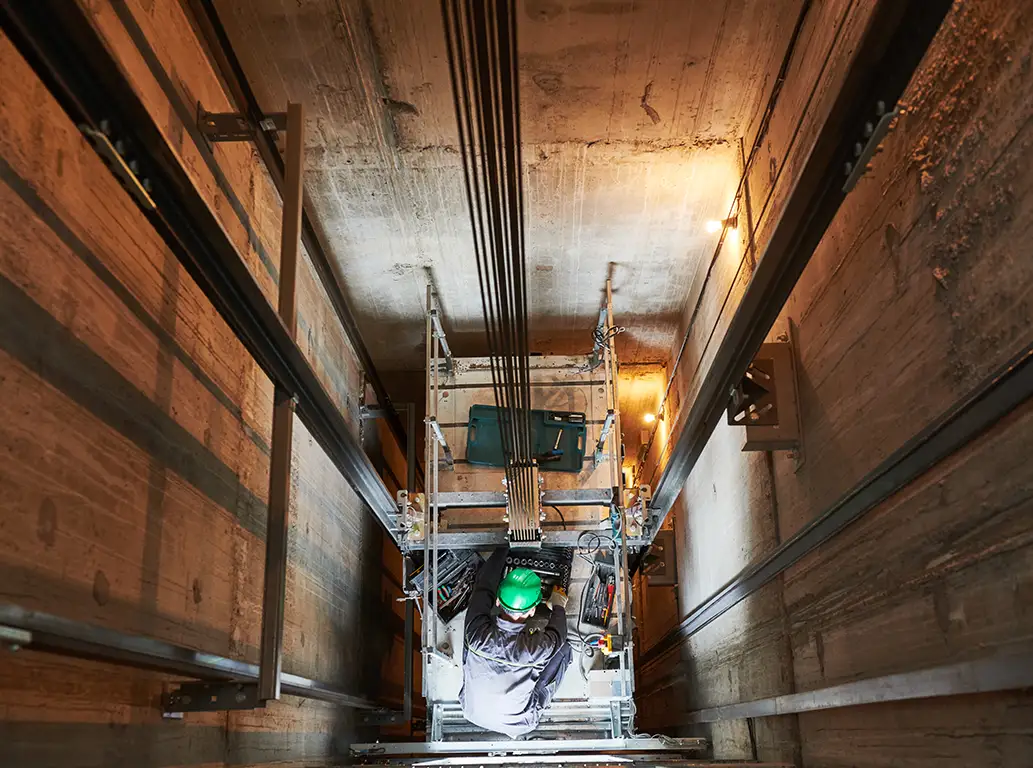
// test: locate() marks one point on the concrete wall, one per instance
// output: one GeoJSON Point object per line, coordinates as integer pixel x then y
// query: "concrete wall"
{"type": "Point", "coordinates": [921, 287]}
{"type": "Point", "coordinates": [135, 429]}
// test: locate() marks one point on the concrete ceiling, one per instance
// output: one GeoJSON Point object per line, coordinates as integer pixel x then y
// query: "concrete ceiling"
{"type": "Point", "coordinates": [631, 116]}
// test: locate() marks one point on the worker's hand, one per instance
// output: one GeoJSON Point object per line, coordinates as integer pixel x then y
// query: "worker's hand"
{"type": "Point", "coordinates": [558, 597]}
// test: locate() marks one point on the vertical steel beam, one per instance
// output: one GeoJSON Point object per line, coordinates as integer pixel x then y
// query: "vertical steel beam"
{"type": "Point", "coordinates": [275, 592]}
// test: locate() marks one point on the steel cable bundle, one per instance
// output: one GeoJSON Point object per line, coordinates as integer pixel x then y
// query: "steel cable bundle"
{"type": "Point", "coordinates": [482, 55]}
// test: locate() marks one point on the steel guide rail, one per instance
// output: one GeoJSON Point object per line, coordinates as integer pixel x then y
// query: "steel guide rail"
{"type": "Point", "coordinates": [68, 54]}
{"type": "Point", "coordinates": [232, 73]}
{"type": "Point", "coordinates": [59, 41]}
{"type": "Point", "coordinates": [38, 631]}
{"type": "Point", "coordinates": [897, 36]}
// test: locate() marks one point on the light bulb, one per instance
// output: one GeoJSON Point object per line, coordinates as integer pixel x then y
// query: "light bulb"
{"type": "Point", "coordinates": [713, 226]}
{"type": "Point", "coordinates": [649, 418]}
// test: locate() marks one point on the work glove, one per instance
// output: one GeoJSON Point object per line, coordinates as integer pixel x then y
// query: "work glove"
{"type": "Point", "coordinates": [558, 597]}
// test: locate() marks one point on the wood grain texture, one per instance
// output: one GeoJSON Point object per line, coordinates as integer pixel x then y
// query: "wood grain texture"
{"type": "Point", "coordinates": [919, 290]}
{"type": "Point", "coordinates": [991, 730]}
{"type": "Point", "coordinates": [134, 433]}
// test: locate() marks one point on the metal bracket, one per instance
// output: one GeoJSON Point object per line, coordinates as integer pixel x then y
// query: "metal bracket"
{"type": "Point", "coordinates": [440, 437]}
{"type": "Point", "coordinates": [211, 697]}
{"type": "Point", "coordinates": [874, 133]}
{"type": "Point", "coordinates": [765, 402]}
{"type": "Point", "coordinates": [411, 506]}
{"type": "Point", "coordinates": [13, 638]}
{"type": "Point", "coordinates": [235, 126]}
{"type": "Point", "coordinates": [753, 399]}
{"type": "Point", "coordinates": [113, 155]}
{"type": "Point", "coordinates": [615, 719]}
{"type": "Point", "coordinates": [439, 334]}
{"type": "Point", "coordinates": [600, 446]}
{"type": "Point", "coordinates": [370, 412]}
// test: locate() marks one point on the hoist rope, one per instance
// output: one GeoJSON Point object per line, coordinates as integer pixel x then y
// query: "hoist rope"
{"type": "Point", "coordinates": [482, 54]}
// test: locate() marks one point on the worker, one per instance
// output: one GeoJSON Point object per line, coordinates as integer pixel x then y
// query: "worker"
{"type": "Point", "coordinates": [511, 670]}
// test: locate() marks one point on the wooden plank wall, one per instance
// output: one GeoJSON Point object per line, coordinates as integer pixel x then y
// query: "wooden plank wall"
{"type": "Point", "coordinates": [922, 286]}
{"type": "Point", "coordinates": [134, 431]}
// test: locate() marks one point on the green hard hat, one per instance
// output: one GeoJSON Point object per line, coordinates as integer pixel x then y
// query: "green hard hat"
{"type": "Point", "coordinates": [520, 591]}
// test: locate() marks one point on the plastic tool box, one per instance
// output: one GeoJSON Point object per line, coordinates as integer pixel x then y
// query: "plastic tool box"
{"type": "Point", "coordinates": [558, 438]}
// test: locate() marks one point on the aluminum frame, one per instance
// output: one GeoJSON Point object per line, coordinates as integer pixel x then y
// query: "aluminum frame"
{"type": "Point", "coordinates": [601, 714]}
{"type": "Point", "coordinates": [494, 537]}
{"type": "Point", "coordinates": [514, 747]}
{"type": "Point", "coordinates": [580, 497]}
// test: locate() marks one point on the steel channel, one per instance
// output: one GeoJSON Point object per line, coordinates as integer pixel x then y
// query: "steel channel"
{"type": "Point", "coordinates": [627, 656]}
{"type": "Point", "coordinates": [1010, 671]}
{"type": "Point", "coordinates": [274, 591]}
{"type": "Point", "coordinates": [1008, 388]}
{"type": "Point", "coordinates": [896, 38]}
{"type": "Point", "coordinates": [54, 634]}
{"type": "Point", "coordinates": [243, 97]}
{"type": "Point", "coordinates": [538, 746]}
{"type": "Point", "coordinates": [436, 447]}
{"type": "Point", "coordinates": [424, 651]}
{"type": "Point", "coordinates": [581, 497]}
{"type": "Point", "coordinates": [60, 42]}
{"type": "Point", "coordinates": [495, 537]}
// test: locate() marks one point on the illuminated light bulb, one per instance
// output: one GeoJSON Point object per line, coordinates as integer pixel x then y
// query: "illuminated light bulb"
{"type": "Point", "coordinates": [649, 418]}
{"type": "Point", "coordinates": [713, 226]}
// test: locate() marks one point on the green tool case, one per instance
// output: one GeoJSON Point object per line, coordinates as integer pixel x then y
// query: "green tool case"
{"type": "Point", "coordinates": [558, 439]}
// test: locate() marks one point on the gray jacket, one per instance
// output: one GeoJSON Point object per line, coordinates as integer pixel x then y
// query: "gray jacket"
{"type": "Point", "coordinates": [503, 660]}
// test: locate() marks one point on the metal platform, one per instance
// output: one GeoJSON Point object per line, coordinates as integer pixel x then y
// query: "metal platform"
{"type": "Point", "coordinates": [585, 749]}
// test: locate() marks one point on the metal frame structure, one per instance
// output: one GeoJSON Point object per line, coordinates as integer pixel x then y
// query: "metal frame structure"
{"type": "Point", "coordinates": [643, 744]}
{"type": "Point", "coordinates": [611, 715]}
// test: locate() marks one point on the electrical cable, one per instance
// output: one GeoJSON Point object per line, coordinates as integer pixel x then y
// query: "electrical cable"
{"type": "Point", "coordinates": [562, 518]}
{"type": "Point", "coordinates": [481, 44]}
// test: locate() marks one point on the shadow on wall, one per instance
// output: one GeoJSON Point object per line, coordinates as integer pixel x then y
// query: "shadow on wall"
{"type": "Point", "coordinates": [725, 519]}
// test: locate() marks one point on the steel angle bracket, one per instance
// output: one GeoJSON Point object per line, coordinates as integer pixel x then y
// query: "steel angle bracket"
{"type": "Point", "coordinates": [211, 697]}
{"type": "Point", "coordinates": [236, 126]}
{"type": "Point", "coordinates": [765, 400]}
